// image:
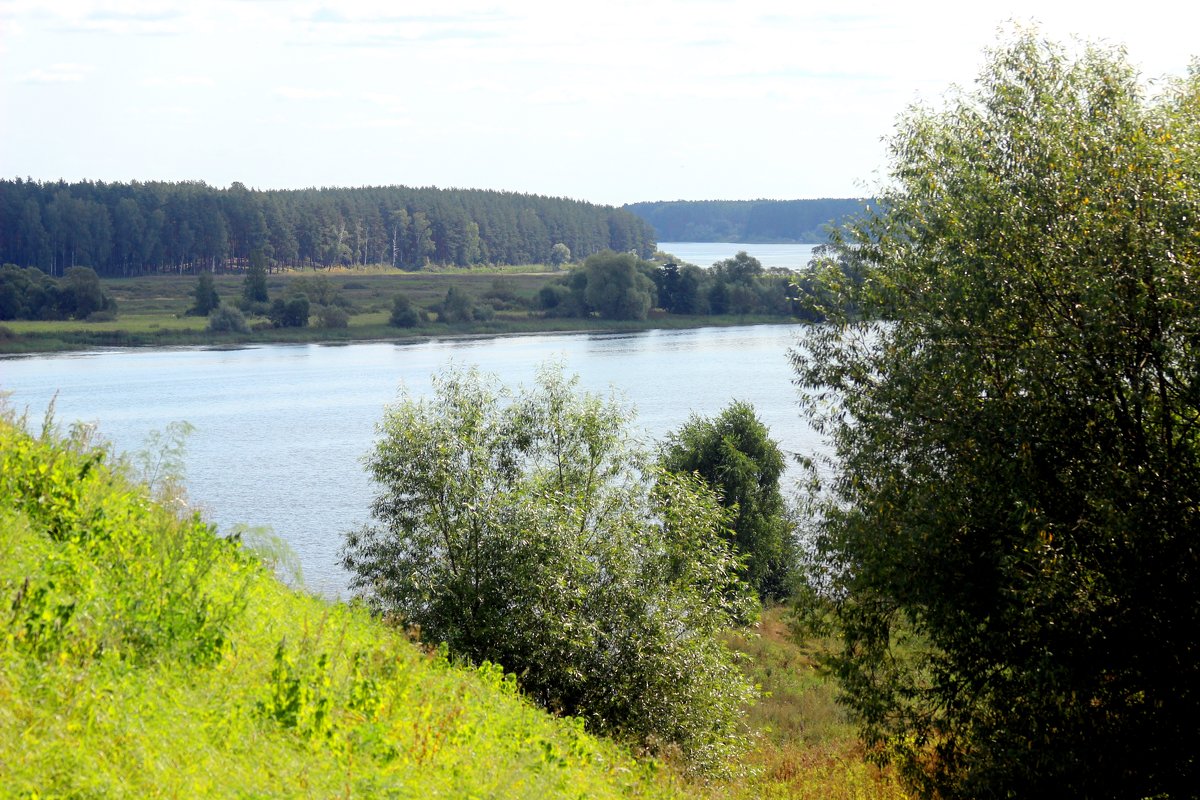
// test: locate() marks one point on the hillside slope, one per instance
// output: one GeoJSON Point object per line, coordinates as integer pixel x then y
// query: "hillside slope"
{"type": "Point", "coordinates": [141, 655]}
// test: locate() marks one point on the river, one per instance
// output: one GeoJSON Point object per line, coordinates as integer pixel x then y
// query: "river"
{"type": "Point", "coordinates": [705, 254]}
{"type": "Point", "coordinates": [280, 430]}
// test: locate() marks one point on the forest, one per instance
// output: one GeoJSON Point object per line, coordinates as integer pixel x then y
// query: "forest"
{"type": "Point", "coordinates": [805, 221]}
{"type": "Point", "coordinates": [126, 229]}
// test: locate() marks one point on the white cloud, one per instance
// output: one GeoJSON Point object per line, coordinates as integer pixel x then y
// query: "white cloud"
{"type": "Point", "coordinates": [305, 93]}
{"type": "Point", "coordinates": [179, 81]}
{"type": "Point", "coordinates": [57, 73]}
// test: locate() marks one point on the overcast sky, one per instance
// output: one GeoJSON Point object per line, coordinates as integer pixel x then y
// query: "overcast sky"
{"type": "Point", "coordinates": [607, 101]}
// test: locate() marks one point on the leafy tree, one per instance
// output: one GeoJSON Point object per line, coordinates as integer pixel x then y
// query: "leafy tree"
{"type": "Point", "coordinates": [735, 455]}
{"type": "Point", "coordinates": [333, 317]}
{"type": "Point", "coordinates": [80, 294]}
{"type": "Point", "coordinates": [457, 306]}
{"type": "Point", "coordinates": [254, 288]}
{"type": "Point", "coordinates": [27, 293]}
{"type": "Point", "coordinates": [742, 268]}
{"type": "Point", "coordinates": [206, 297]}
{"type": "Point", "coordinates": [560, 254]}
{"type": "Point", "coordinates": [319, 290]}
{"type": "Point", "coordinates": [290, 313]}
{"type": "Point", "coordinates": [616, 286]}
{"type": "Point", "coordinates": [1010, 531]}
{"type": "Point", "coordinates": [404, 313]}
{"type": "Point", "coordinates": [525, 533]}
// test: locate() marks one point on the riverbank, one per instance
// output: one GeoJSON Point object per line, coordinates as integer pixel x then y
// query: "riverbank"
{"type": "Point", "coordinates": [146, 655]}
{"type": "Point", "coordinates": [153, 312]}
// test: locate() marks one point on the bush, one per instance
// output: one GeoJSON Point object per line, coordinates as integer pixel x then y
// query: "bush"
{"type": "Point", "coordinates": [290, 313]}
{"type": "Point", "coordinates": [404, 313]}
{"type": "Point", "coordinates": [225, 319]}
{"type": "Point", "coordinates": [458, 306]}
{"type": "Point", "coordinates": [527, 534]}
{"type": "Point", "coordinates": [333, 317]}
{"type": "Point", "coordinates": [253, 308]}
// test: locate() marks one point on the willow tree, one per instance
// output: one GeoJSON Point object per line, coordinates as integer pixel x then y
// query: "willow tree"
{"type": "Point", "coordinates": [1010, 529]}
{"type": "Point", "coordinates": [533, 532]}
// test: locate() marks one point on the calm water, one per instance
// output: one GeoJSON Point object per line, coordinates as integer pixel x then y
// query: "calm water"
{"type": "Point", "coordinates": [280, 430]}
{"type": "Point", "coordinates": [705, 254]}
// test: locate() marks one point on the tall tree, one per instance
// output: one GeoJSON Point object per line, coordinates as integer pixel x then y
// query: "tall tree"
{"type": "Point", "coordinates": [254, 286]}
{"type": "Point", "coordinates": [617, 286]}
{"type": "Point", "coordinates": [1010, 529]}
{"type": "Point", "coordinates": [735, 454]}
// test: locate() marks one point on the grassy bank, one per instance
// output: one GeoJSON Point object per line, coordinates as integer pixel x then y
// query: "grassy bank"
{"type": "Point", "coordinates": [143, 655]}
{"type": "Point", "coordinates": [152, 311]}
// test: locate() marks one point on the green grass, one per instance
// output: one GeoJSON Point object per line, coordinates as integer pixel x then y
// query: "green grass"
{"type": "Point", "coordinates": [152, 311]}
{"type": "Point", "coordinates": [142, 656]}
{"type": "Point", "coordinates": [806, 748]}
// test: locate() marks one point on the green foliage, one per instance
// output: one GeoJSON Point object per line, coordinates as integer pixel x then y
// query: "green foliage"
{"type": "Point", "coordinates": [560, 254]}
{"type": "Point", "coordinates": [80, 294]}
{"type": "Point", "coordinates": [141, 655]}
{"type": "Point", "coordinates": [617, 286]}
{"type": "Point", "coordinates": [206, 297]}
{"type": "Point", "coordinates": [95, 587]}
{"type": "Point", "coordinates": [130, 229]}
{"type": "Point", "coordinates": [332, 317]}
{"type": "Point", "coordinates": [735, 455]}
{"type": "Point", "coordinates": [226, 319]}
{"type": "Point", "coordinates": [404, 313]}
{"type": "Point", "coordinates": [31, 294]}
{"type": "Point", "coordinates": [254, 287]}
{"type": "Point", "coordinates": [318, 289]}
{"type": "Point", "coordinates": [1009, 532]}
{"type": "Point", "coordinates": [27, 293]}
{"type": "Point", "coordinates": [458, 306]}
{"type": "Point", "coordinates": [290, 313]}
{"type": "Point", "coordinates": [526, 533]}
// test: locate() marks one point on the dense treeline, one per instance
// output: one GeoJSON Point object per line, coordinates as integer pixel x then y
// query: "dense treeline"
{"type": "Point", "coordinates": [122, 229]}
{"type": "Point", "coordinates": [745, 220]}
{"type": "Point", "coordinates": [32, 294]}
{"type": "Point", "coordinates": [623, 286]}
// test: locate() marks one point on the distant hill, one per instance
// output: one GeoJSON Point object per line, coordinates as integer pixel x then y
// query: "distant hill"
{"type": "Point", "coordinates": [801, 221]}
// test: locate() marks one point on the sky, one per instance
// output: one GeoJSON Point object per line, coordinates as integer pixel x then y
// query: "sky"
{"type": "Point", "coordinates": [610, 102]}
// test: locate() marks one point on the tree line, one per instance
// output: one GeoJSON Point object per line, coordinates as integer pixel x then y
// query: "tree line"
{"type": "Point", "coordinates": [623, 286]}
{"type": "Point", "coordinates": [123, 229]}
{"type": "Point", "coordinates": [746, 220]}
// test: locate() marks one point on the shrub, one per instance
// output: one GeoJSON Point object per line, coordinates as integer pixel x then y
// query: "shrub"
{"type": "Point", "coordinates": [528, 535]}
{"type": "Point", "coordinates": [225, 319]}
{"type": "Point", "coordinates": [333, 317]}
{"type": "Point", "coordinates": [404, 313]}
